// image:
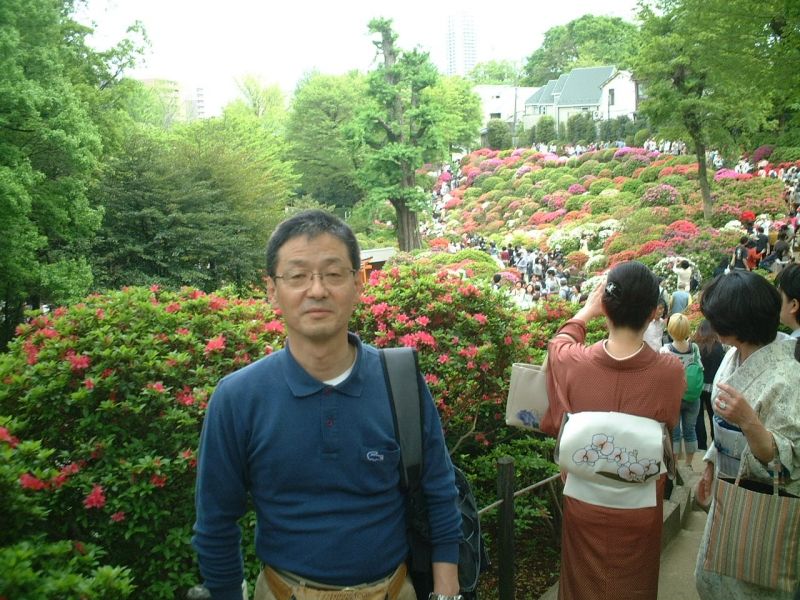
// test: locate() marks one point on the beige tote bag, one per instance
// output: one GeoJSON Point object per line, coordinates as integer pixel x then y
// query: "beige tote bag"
{"type": "Point", "coordinates": [527, 396]}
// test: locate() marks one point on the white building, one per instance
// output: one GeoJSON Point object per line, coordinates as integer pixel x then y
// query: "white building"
{"type": "Point", "coordinates": [604, 92]}
{"type": "Point", "coordinates": [500, 101]}
{"type": "Point", "coordinates": [461, 44]}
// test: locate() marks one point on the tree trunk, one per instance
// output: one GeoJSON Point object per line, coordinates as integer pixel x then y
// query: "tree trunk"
{"type": "Point", "coordinates": [702, 177]}
{"type": "Point", "coordinates": [407, 227]}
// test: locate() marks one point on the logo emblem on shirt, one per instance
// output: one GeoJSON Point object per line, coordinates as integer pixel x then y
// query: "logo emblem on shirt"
{"type": "Point", "coordinates": [374, 456]}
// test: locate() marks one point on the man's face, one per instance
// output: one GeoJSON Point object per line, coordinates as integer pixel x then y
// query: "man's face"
{"type": "Point", "coordinates": [788, 310]}
{"type": "Point", "coordinates": [322, 311]}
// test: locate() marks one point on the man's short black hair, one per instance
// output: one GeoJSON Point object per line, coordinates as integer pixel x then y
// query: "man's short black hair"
{"type": "Point", "coordinates": [311, 224]}
{"type": "Point", "coordinates": [742, 305]}
{"type": "Point", "coordinates": [788, 282]}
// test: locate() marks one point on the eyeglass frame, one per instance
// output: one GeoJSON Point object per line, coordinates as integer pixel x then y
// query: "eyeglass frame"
{"type": "Point", "coordinates": [312, 275]}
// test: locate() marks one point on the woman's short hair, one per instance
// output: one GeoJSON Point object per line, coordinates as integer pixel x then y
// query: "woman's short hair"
{"type": "Point", "coordinates": [742, 305]}
{"type": "Point", "coordinates": [631, 295]}
{"type": "Point", "coordinates": [678, 327]}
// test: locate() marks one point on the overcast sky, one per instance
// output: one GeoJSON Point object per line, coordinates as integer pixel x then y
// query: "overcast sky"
{"type": "Point", "coordinates": [210, 44]}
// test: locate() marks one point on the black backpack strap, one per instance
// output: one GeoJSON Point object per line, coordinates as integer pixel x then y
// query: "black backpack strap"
{"type": "Point", "coordinates": [797, 350]}
{"type": "Point", "coordinates": [400, 370]}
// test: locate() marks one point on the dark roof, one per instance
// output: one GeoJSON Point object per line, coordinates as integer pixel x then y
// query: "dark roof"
{"type": "Point", "coordinates": [560, 83]}
{"type": "Point", "coordinates": [546, 93]}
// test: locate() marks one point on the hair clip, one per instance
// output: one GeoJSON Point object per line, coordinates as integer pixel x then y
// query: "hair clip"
{"type": "Point", "coordinates": [612, 289]}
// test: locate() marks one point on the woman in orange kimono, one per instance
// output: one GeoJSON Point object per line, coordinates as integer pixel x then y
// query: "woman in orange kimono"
{"type": "Point", "coordinates": [609, 552]}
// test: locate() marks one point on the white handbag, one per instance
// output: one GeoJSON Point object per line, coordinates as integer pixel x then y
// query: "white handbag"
{"type": "Point", "coordinates": [527, 396]}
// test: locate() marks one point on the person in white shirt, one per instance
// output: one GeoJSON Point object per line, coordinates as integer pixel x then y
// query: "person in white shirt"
{"type": "Point", "coordinates": [684, 273]}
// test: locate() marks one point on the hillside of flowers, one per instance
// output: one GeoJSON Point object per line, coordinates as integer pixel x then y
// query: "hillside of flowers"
{"type": "Point", "coordinates": [607, 206]}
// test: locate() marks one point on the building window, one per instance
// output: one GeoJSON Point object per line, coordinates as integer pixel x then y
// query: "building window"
{"type": "Point", "coordinates": [611, 97]}
{"type": "Point", "coordinates": [494, 115]}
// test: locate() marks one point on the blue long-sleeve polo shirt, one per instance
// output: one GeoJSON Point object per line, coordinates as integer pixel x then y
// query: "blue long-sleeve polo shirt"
{"type": "Point", "coordinates": [321, 463]}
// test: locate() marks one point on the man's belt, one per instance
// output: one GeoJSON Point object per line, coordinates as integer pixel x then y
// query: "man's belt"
{"type": "Point", "coordinates": [380, 591]}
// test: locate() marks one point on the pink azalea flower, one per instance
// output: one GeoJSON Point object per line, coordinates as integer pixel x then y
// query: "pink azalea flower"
{"type": "Point", "coordinates": [29, 482]}
{"type": "Point", "coordinates": [96, 498]}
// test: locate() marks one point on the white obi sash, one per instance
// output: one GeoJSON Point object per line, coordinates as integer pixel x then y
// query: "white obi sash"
{"type": "Point", "coordinates": [611, 459]}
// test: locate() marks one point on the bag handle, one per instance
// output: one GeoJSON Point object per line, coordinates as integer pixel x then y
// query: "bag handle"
{"type": "Point", "coordinates": [774, 465]}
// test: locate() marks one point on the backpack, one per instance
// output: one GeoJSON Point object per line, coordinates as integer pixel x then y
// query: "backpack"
{"type": "Point", "coordinates": [400, 370]}
{"type": "Point", "coordinates": [694, 377]}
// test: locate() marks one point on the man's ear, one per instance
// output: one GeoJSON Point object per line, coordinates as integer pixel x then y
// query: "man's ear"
{"type": "Point", "coordinates": [654, 314]}
{"type": "Point", "coordinates": [271, 292]}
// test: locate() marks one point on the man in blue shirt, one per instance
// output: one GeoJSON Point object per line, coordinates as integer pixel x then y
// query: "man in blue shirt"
{"type": "Point", "coordinates": [307, 433]}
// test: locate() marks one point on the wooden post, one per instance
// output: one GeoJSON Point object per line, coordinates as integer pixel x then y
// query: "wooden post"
{"type": "Point", "coordinates": [505, 492]}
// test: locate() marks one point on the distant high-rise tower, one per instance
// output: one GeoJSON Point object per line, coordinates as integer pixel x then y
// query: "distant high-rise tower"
{"type": "Point", "coordinates": [461, 42]}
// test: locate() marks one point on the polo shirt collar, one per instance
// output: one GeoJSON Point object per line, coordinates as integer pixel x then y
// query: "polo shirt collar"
{"type": "Point", "coordinates": [302, 384]}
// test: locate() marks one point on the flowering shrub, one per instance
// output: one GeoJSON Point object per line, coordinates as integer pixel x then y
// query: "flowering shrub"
{"type": "Point", "coordinates": [576, 188]}
{"type": "Point", "coordinates": [762, 152]}
{"type": "Point", "coordinates": [661, 195]}
{"type": "Point", "coordinates": [31, 565]}
{"type": "Point", "coordinates": [577, 259]}
{"type": "Point", "coordinates": [117, 386]}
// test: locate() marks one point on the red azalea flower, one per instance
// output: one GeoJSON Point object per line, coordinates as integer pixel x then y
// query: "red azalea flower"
{"type": "Point", "coordinates": [217, 303]}
{"type": "Point", "coordinates": [100, 314]}
{"type": "Point", "coordinates": [118, 516]}
{"type": "Point", "coordinates": [29, 482]}
{"type": "Point", "coordinates": [154, 288]}
{"type": "Point", "coordinates": [5, 436]}
{"type": "Point", "coordinates": [107, 373]}
{"type": "Point", "coordinates": [274, 326]}
{"type": "Point", "coordinates": [88, 383]}
{"type": "Point", "coordinates": [173, 307]}
{"type": "Point", "coordinates": [96, 498]}
{"type": "Point", "coordinates": [78, 362]}
{"type": "Point", "coordinates": [423, 321]}
{"type": "Point", "coordinates": [158, 480]}
{"type": "Point", "coordinates": [157, 387]}
{"type": "Point", "coordinates": [185, 396]}
{"type": "Point", "coordinates": [443, 359]}
{"type": "Point", "coordinates": [215, 344]}
{"type": "Point", "coordinates": [182, 331]}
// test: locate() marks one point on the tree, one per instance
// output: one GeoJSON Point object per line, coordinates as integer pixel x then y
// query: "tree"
{"type": "Point", "coordinates": [585, 42]}
{"type": "Point", "coordinates": [494, 72]}
{"type": "Point", "coordinates": [53, 92]}
{"type": "Point", "coordinates": [581, 127]}
{"type": "Point", "coordinates": [192, 206]}
{"type": "Point", "coordinates": [545, 130]}
{"type": "Point", "coordinates": [701, 79]}
{"type": "Point", "coordinates": [266, 102]}
{"type": "Point", "coordinates": [325, 138]}
{"type": "Point", "coordinates": [401, 130]}
{"type": "Point", "coordinates": [459, 112]}
{"type": "Point", "coordinates": [498, 134]}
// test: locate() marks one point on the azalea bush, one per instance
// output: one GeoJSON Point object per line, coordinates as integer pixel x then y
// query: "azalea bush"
{"type": "Point", "coordinates": [116, 388]}
{"type": "Point", "coordinates": [32, 565]}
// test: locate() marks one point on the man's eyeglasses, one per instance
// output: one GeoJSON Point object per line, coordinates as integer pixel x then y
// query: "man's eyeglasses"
{"type": "Point", "coordinates": [333, 277]}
